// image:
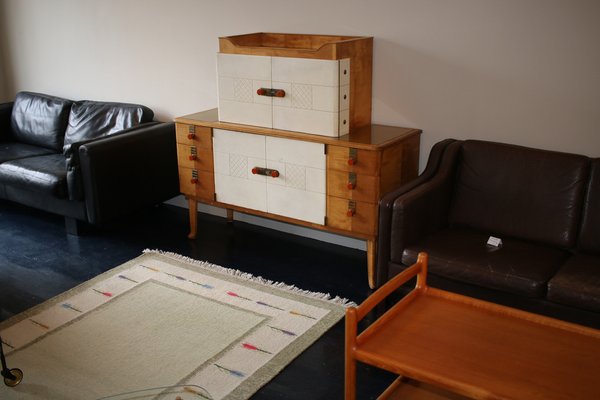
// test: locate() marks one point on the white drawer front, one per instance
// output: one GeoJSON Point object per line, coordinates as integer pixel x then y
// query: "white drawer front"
{"type": "Point", "coordinates": [239, 77]}
{"type": "Point", "coordinates": [316, 92]}
{"type": "Point", "coordinates": [305, 71]}
{"type": "Point", "coordinates": [299, 190]}
{"type": "Point", "coordinates": [235, 155]}
{"type": "Point", "coordinates": [297, 204]}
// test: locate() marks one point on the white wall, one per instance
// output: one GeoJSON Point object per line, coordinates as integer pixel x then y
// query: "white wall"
{"type": "Point", "coordinates": [518, 71]}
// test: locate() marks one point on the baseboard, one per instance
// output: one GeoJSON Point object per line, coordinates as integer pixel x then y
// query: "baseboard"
{"type": "Point", "coordinates": [345, 241]}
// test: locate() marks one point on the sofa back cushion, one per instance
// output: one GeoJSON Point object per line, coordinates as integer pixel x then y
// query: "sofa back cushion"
{"type": "Point", "coordinates": [94, 119]}
{"type": "Point", "coordinates": [520, 192]}
{"type": "Point", "coordinates": [589, 239]}
{"type": "Point", "coordinates": [40, 120]}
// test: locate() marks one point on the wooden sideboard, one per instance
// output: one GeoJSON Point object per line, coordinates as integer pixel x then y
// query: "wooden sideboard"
{"type": "Point", "coordinates": [344, 185]}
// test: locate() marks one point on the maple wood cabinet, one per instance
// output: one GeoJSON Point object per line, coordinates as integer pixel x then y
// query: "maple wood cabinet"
{"type": "Point", "coordinates": [328, 183]}
{"type": "Point", "coordinates": [292, 137]}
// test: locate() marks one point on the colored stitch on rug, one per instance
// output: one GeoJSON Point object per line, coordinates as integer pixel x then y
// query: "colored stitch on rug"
{"type": "Point", "coordinates": [40, 324]}
{"type": "Point", "coordinates": [282, 331]}
{"type": "Point", "coordinates": [254, 348]}
{"type": "Point", "coordinates": [70, 307]}
{"type": "Point", "coordinates": [299, 314]}
{"type": "Point", "coordinates": [204, 285]}
{"type": "Point", "coordinates": [181, 278]}
{"type": "Point", "coordinates": [127, 279]}
{"type": "Point", "coordinates": [150, 268]}
{"type": "Point", "coordinates": [234, 294]}
{"type": "Point", "coordinates": [231, 371]}
{"type": "Point", "coordinates": [262, 303]}
{"type": "Point", "coordinates": [107, 294]}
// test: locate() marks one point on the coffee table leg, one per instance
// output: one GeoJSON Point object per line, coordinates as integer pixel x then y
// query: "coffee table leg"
{"type": "Point", "coordinates": [350, 362]}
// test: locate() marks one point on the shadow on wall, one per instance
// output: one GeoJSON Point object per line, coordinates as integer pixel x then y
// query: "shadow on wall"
{"type": "Point", "coordinates": [6, 85]}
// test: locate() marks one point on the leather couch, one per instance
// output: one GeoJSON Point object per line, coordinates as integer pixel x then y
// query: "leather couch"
{"type": "Point", "coordinates": [89, 161]}
{"type": "Point", "coordinates": [544, 206]}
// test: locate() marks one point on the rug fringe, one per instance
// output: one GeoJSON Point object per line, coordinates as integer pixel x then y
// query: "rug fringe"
{"type": "Point", "coordinates": [258, 279]}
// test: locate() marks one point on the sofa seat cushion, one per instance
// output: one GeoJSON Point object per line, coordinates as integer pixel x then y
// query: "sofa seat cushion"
{"type": "Point", "coordinates": [14, 150]}
{"type": "Point", "coordinates": [94, 119]}
{"type": "Point", "coordinates": [577, 283]}
{"type": "Point", "coordinates": [43, 174]}
{"type": "Point", "coordinates": [463, 255]}
{"type": "Point", "coordinates": [40, 120]}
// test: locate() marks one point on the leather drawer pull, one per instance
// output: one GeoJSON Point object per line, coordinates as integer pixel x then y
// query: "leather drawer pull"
{"type": "Point", "coordinates": [191, 132]}
{"type": "Point", "coordinates": [194, 179]}
{"type": "Point", "coordinates": [351, 209]}
{"type": "Point", "coordinates": [351, 185]}
{"type": "Point", "coordinates": [193, 154]}
{"type": "Point", "coordinates": [270, 92]}
{"type": "Point", "coordinates": [265, 171]}
{"type": "Point", "coordinates": [352, 156]}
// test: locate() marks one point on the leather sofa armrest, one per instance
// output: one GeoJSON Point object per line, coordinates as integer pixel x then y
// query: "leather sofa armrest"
{"type": "Point", "coordinates": [419, 207]}
{"type": "Point", "coordinates": [5, 114]}
{"type": "Point", "coordinates": [71, 153]}
{"type": "Point", "coordinates": [125, 172]}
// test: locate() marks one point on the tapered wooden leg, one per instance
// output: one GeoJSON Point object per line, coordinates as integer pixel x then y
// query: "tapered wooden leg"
{"type": "Point", "coordinates": [371, 257]}
{"type": "Point", "coordinates": [229, 215]}
{"type": "Point", "coordinates": [193, 207]}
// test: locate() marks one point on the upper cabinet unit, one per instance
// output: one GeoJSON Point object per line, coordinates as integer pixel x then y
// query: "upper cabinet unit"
{"type": "Point", "coordinates": [304, 83]}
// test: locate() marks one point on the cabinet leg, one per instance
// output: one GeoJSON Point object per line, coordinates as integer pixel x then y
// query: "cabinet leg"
{"type": "Point", "coordinates": [371, 258]}
{"type": "Point", "coordinates": [229, 216]}
{"type": "Point", "coordinates": [193, 207]}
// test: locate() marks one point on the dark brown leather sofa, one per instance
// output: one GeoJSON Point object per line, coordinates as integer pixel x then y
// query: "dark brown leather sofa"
{"type": "Point", "coordinates": [543, 205]}
{"type": "Point", "coordinates": [89, 161]}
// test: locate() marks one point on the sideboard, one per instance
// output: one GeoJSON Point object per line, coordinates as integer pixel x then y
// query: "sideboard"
{"type": "Point", "coordinates": [328, 183]}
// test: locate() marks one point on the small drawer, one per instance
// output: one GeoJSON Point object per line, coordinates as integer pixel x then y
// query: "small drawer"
{"type": "Point", "coordinates": [353, 186]}
{"type": "Point", "coordinates": [193, 135]}
{"type": "Point", "coordinates": [200, 184]}
{"type": "Point", "coordinates": [195, 157]}
{"type": "Point", "coordinates": [355, 160]}
{"type": "Point", "coordinates": [352, 216]}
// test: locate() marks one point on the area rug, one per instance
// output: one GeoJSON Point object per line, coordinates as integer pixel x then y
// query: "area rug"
{"type": "Point", "coordinates": [163, 326]}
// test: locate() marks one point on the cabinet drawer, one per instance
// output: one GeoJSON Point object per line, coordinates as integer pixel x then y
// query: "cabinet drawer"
{"type": "Point", "coordinates": [194, 157]}
{"type": "Point", "coordinates": [296, 94]}
{"type": "Point", "coordinates": [353, 186]}
{"type": "Point", "coordinates": [353, 160]}
{"type": "Point", "coordinates": [352, 216]}
{"type": "Point", "coordinates": [192, 135]}
{"type": "Point", "coordinates": [270, 174]}
{"type": "Point", "coordinates": [196, 183]}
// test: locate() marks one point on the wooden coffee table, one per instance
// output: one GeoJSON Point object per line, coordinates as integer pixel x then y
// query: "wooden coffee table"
{"type": "Point", "coordinates": [471, 348]}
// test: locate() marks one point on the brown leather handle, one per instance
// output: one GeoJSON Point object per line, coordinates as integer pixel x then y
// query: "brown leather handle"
{"type": "Point", "coordinates": [265, 171]}
{"type": "Point", "coordinates": [270, 92]}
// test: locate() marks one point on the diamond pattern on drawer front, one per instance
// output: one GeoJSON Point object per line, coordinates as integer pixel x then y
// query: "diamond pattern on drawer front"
{"type": "Point", "coordinates": [295, 176]}
{"type": "Point", "coordinates": [242, 90]}
{"type": "Point", "coordinates": [238, 166]}
{"type": "Point", "coordinates": [301, 96]}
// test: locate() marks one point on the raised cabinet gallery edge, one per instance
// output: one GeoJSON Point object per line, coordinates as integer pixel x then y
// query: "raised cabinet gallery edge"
{"type": "Point", "coordinates": [328, 183]}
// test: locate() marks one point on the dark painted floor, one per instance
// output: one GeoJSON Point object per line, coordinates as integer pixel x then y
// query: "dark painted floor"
{"type": "Point", "coordinates": [38, 261]}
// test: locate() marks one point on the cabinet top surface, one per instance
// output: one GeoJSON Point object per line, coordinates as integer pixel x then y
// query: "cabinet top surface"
{"type": "Point", "coordinates": [370, 136]}
{"type": "Point", "coordinates": [328, 47]}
